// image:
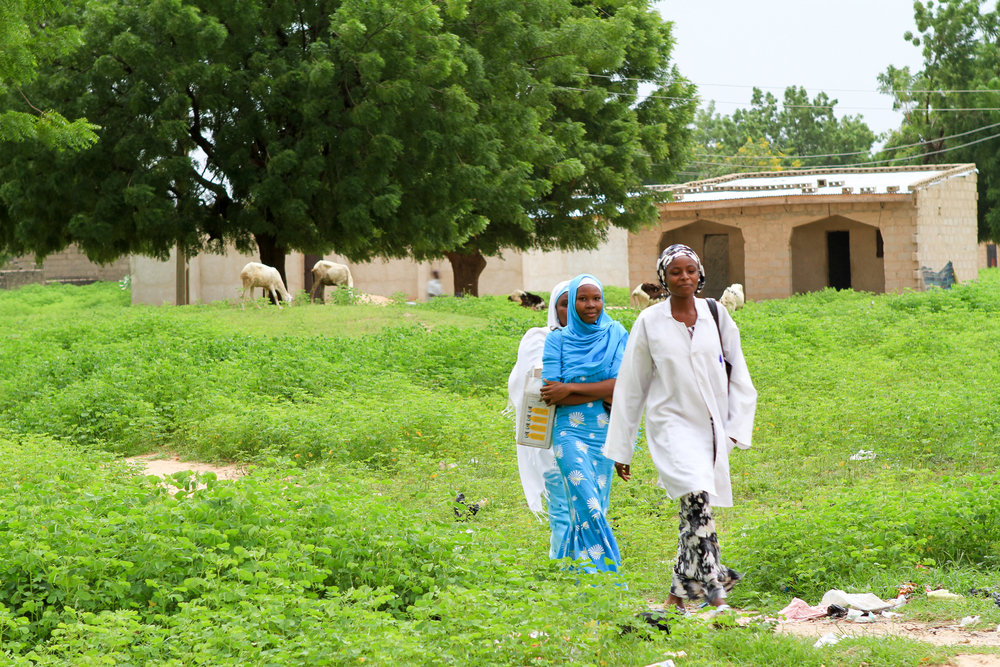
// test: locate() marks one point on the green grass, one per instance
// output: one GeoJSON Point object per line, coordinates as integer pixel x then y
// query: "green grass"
{"type": "Point", "coordinates": [361, 423]}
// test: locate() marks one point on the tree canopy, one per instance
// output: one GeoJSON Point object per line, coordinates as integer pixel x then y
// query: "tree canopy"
{"type": "Point", "coordinates": [26, 39]}
{"type": "Point", "coordinates": [798, 132]}
{"type": "Point", "coordinates": [952, 105]}
{"type": "Point", "coordinates": [375, 128]}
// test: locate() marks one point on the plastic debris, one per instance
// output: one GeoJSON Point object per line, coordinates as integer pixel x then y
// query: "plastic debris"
{"type": "Point", "coordinates": [898, 602]}
{"type": "Point", "coordinates": [464, 512]}
{"type": "Point", "coordinates": [858, 616]}
{"type": "Point", "coordinates": [715, 612]}
{"type": "Point", "coordinates": [829, 639]}
{"type": "Point", "coordinates": [799, 610]}
{"type": "Point", "coordinates": [891, 614]}
{"type": "Point", "coordinates": [863, 455]}
{"type": "Point", "coordinates": [836, 611]}
{"type": "Point", "coordinates": [968, 620]}
{"type": "Point", "coordinates": [986, 593]}
{"type": "Point", "coordinates": [862, 601]}
{"type": "Point", "coordinates": [943, 594]}
{"type": "Point", "coordinates": [665, 663]}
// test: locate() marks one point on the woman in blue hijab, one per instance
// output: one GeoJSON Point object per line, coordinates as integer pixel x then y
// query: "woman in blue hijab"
{"type": "Point", "coordinates": [579, 366]}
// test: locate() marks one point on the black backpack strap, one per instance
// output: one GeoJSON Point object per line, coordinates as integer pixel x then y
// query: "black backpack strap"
{"type": "Point", "coordinates": [713, 306]}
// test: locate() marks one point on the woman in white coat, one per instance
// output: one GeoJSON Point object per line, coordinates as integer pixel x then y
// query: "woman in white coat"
{"type": "Point", "coordinates": [675, 368]}
{"type": "Point", "coordinates": [540, 476]}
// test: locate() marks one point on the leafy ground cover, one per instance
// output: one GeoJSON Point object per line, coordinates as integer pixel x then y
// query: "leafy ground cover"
{"type": "Point", "coordinates": [361, 423]}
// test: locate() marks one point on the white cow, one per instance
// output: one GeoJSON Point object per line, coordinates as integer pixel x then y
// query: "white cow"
{"type": "Point", "coordinates": [329, 273]}
{"type": "Point", "coordinates": [256, 274]}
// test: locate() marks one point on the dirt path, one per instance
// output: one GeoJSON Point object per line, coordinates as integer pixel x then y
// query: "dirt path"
{"type": "Point", "coordinates": [939, 634]}
{"type": "Point", "coordinates": [162, 465]}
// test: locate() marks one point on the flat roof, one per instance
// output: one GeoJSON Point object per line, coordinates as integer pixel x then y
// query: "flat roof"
{"type": "Point", "coordinates": [874, 181]}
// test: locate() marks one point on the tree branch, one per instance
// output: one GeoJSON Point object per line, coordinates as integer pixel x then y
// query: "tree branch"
{"type": "Point", "coordinates": [40, 112]}
{"type": "Point", "coordinates": [195, 131]}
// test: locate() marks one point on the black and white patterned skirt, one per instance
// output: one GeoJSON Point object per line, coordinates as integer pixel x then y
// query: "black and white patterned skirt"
{"type": "Point", "coordinates": [698, 572]}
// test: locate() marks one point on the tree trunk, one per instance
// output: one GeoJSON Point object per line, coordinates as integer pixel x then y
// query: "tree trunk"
{"type": "Point", "coordinates": [271, 254]}
{"type": "Point", "coordinates": [466, 268]}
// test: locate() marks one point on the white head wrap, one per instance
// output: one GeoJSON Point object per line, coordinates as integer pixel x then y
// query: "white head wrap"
{"type": "Point", "coordinates": [557, 291]}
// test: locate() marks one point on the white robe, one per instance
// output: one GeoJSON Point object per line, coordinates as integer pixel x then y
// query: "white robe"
{"type": "Point", "coordinates": [681, 383]}
{"type": "Point", "coordinates": [532, 462]}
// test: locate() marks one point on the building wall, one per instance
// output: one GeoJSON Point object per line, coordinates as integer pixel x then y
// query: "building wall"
{"type": "Point", "coordinates": [154, 282]}
{"type": "Point", "coordinates": [767, 229]}
{"type": "Point", "coordinates": [15, 278]}
{"type": "Point", "coordinates": [72, 265]}
{"type": "Point", "coordinates": [541, 271]}
{"type": "Point", "coordinates": [810, 265]}
{"type": "Point", "coordinates": [983, 254]}
{"type": "Point", "coordinates": [217, 277]}
{"type": "Point", "coordinates": [943, 231]}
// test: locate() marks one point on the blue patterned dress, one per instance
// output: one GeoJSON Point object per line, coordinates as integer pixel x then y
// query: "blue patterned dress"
{"type": "Point", "coordinates": [580, 432]}
{"type": "Point", "coordinates": [586, 475]}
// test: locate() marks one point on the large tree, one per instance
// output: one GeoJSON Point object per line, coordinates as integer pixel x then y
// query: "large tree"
{"type": "Point", "coordinates": [951, 105]}
{"type": "Point", "coordinates": [27, 38]}
{"type": "Point", "coordinates": [577, 140]}
{"type": "Point", "coordinates": [373, 127]}
{"type": "Point", "coordinates": [271, 126]}
{"type": "Point", "coordinates": [796, 132]}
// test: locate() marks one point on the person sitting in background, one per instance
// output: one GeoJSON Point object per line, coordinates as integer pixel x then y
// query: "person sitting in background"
{"type": "Point", "coordinates": [434, 287]}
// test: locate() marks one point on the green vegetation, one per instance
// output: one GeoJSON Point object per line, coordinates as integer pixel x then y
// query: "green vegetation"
{"type": "Point", "coordinates": [358, 426]}
{"type": "Point", "coordinates": [373, 128]}
{"type": "Point", "coordinates": [803, 133]}
{"type": "Point", "coordinates": [959, 42]}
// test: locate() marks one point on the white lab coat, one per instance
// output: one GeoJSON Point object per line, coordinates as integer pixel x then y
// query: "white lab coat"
{"type": "Point", "coordinates": [681, 383]}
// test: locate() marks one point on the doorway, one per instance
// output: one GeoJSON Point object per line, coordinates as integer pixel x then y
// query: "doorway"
{"type": "Point", "coordinates": [838, 257]}
{"type": "Point", "coordinates": [715, 259]}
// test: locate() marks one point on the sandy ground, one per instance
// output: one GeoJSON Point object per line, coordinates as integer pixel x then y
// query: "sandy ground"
{"type": "Point", "coordinates": [162, 465]}
{"type": "Point", "coordinates": [933, 633]}
{"type": "Point", "coordinates": [939, 634]}
{"type": "Point", "coordinates": [372, 299]}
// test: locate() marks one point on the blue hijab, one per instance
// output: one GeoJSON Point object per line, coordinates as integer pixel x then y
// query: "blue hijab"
{"type": "Point", "coordinates": [591, 349]}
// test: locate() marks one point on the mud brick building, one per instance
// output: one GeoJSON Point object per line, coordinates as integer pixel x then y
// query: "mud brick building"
{"type": "Point", "coordinates": [788, 232]}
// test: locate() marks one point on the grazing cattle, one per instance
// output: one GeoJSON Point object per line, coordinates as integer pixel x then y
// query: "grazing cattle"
{"type": "Point", "coordinates": [527, 299]}
{"type": "Point", "coordinates": [733, 298]}
{"type": "Point", "coordinates": [329, 273]}
{"type": "Point", "coordinates": [256, 274]}
{"type": "Point", "coordinates": [646, 295]}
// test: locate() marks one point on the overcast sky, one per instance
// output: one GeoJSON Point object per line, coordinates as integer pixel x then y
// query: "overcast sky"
{"type": "Point", "coordinates": [839, 47]}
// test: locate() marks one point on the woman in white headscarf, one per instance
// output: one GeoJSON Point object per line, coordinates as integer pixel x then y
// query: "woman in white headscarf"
{"type": "Point", "coordinates": [539, 474]}
{"type": "Point", "coordinates": [697, 411]}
